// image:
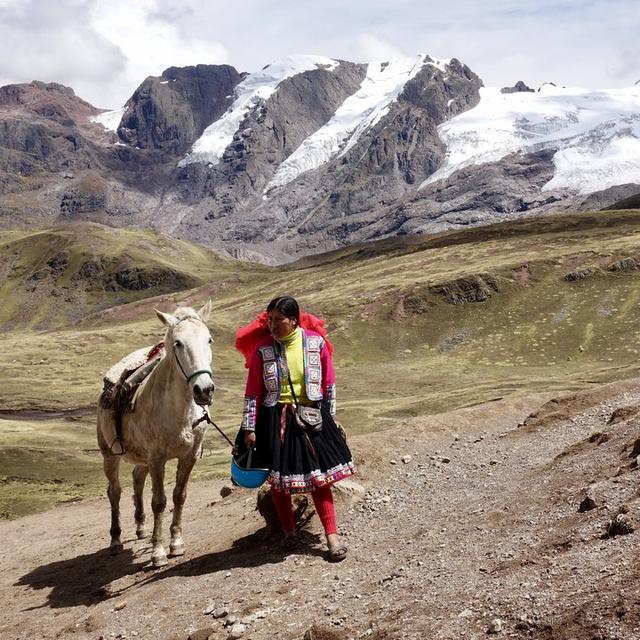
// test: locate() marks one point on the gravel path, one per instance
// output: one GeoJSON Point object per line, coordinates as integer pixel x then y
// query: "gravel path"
{"type": "Point", "coordinates": [465, 524]}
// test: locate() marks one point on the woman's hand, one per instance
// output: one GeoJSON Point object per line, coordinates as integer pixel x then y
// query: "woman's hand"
{"type": "Point", "coordinates": [250, 439]}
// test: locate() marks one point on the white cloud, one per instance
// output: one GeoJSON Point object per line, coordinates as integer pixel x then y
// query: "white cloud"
{"type": "Point", "coordinates": [375, 48]}
{"type": "Point", "coordinates": [148, 41]}
{"type": "Point", "coordinates": [105, 49]}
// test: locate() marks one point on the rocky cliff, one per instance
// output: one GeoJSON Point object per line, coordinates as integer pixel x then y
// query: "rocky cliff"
{"type": "Point", "coordinates": [171, 112]}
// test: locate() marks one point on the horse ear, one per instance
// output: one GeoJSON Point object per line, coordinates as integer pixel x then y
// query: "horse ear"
{"type": "Point", "coordinates": [205, 312]}
{"type": "Point", "coordinates": [166, 318]}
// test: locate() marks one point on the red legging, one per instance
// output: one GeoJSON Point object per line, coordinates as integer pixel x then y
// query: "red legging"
{"type": "Point", "coordinates": [322, 499]}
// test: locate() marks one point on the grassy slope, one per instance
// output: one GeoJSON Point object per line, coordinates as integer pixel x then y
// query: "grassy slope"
{"type": "Point", "coordinates": [35, 296]}
{"type": "Point", "coordinates": [401, 349]}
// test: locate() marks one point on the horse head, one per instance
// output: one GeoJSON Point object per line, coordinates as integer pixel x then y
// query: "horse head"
{"type": "Point", "coordinates": [188, 341]}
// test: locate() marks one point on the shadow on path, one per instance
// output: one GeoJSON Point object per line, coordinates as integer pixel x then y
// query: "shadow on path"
{"type": "Point", "coordinates": [82, 580]}
{"type": "Point", "coordinates": [253, 550]}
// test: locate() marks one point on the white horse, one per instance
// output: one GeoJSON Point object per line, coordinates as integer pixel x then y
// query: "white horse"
{"type": "Point", "coordinates": [161, 427]}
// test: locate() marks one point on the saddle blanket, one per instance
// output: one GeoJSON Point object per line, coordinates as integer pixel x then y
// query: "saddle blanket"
{"type": "Point", "coordinates": [123, 378]}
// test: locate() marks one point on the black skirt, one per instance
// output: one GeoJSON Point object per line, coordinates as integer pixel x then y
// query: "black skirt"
{"type": "Point", "coordinates": [298, 461]}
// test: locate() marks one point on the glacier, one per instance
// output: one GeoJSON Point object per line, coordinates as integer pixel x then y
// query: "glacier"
{"type": "Point", "coordinates": [381, 86]}
{"type": "Point", "coordinates": [596, 134]}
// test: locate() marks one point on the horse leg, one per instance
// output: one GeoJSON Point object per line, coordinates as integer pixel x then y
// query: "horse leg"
{"type": "Point", "coordinates": [158, 504]}
{"type": "Point", "coordinates": [139, 474]}
{"type": "Point", "coordinates": [111, 465]}
{"type": "Point", "coordinates": [185, 465]}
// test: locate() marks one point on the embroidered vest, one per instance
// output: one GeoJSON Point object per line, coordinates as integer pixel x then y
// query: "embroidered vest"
{"type": "Point", "coordinates": [271, 370]}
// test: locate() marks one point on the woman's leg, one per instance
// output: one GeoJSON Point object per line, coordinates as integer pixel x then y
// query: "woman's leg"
{"type": "Point", "coordinates": [282, 503]}
{"type": "Point", "coordinates": [323, 501]}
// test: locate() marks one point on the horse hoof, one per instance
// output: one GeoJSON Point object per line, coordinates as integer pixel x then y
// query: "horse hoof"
{"type": "Point", "coordinates": [176, 550]}
{"type": "Point", "coordinates": [159, 560]}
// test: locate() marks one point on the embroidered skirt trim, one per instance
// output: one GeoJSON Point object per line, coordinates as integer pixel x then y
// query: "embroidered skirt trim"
{"type": "Point", "coordinates": [314, 480]}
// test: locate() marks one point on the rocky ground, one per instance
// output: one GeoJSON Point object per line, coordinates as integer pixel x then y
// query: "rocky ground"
{"type": "Point", "coordinates": [512, 519]}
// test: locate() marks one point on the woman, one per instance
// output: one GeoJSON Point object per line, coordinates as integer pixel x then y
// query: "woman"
{"type": "Point", "coordinates": [289, 361]}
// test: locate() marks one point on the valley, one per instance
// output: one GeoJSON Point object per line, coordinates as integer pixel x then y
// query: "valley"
{"type": "Point", "coordinates": [421, 325]}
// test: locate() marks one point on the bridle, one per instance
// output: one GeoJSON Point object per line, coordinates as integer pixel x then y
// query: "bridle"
{"type": "Point", "coordinates": [190, 377]}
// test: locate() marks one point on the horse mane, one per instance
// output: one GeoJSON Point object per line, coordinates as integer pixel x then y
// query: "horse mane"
{"type": "Point", "coordinates": [184, 313]}
{"type": "Point", "coordinates": [180, 315]}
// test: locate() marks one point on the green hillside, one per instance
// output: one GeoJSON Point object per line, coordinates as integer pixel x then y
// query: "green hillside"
{"type": "Point", "coordinates": [420, 325]}
{"type": "Point", "coordinates": [56, 277]}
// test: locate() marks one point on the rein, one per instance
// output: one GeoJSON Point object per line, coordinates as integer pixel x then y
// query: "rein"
{"type": "Point", "coordinates": [207, 418]}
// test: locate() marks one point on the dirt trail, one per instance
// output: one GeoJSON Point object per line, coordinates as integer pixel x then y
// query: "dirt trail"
{"type": "Point", "coordinates": [479, 531]}
{"type": "Point", "coordinates": [37, 415]}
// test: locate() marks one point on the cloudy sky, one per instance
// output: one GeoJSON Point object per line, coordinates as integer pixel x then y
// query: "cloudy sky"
{"type": "Point", "coordinates": [105, 48]}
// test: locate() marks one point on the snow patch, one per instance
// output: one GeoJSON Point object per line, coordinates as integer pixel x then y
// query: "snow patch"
{"type": "Point", "coordinates": [596, 133]}
{"type": "Point", "coordinates": [110, 120]}
{"type": "Point", "coordinates": [380, 88]}
{"type": "Point", "coordinates": [254, 90]}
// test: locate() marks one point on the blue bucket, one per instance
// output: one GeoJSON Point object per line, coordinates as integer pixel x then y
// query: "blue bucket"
{"type": "Point", "coordinates": [245, 476]}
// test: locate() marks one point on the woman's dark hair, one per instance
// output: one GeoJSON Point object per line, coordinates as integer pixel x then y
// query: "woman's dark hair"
{"type": "Point", "coordinates": [287, 306]}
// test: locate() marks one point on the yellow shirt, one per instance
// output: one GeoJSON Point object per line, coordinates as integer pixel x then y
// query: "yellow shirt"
{"type": "Point", "coordinates": [294, 356]}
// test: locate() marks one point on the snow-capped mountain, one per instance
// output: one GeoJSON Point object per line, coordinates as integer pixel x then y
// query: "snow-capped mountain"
{"type": "Point", "coordinates": [251, 93]}
{"type": "Point", "coordinates": [596, 134]}
{"type": "Point", "coordinates": [312, 153]}
{"type": "Point", "coordinates": [357, 114]}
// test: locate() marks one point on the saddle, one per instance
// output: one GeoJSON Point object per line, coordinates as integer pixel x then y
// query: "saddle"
{"type": "Point", "coordinates": [122, 381]}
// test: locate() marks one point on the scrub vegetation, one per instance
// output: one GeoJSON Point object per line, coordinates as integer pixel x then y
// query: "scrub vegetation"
{"type": "Point", "coordinates": [421, 325]}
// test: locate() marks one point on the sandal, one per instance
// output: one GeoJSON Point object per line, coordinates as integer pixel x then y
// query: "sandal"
{"type": "Point", "coordinates": [338, 552]}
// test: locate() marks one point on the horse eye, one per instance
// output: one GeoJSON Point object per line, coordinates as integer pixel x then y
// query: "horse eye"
{"type": "Point", "coordinates": [210, 340]}
{"type": "Point", "coordinates": [177, 343]}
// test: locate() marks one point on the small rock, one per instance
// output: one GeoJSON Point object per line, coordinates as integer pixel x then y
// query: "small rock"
{"type": "Point", "coordinates": [619, 526]}
{"type": "Point", "coordinates": [587, 504]}
{"type": "Point", "coordinates": [120, 606]}
{"type": "Point", "coordinates": [220, 612]}
{"type": "Point", "coordinates": [349, 487]}
{"type": "Point", "coordinates": [237, 631]}
{"type": "Point", "coordinates": [393, 462]}
{"type": "Point", "coordinates": [230, 621]}
{"type": "Point", "coordinates": [495, 626]}
{"type": "Point", "coordinates": [406, 459]}
{"type": "Point", "coordinates": [226, 491]}
{"type": "Point", "coordinates": [445, 460]}
{"type": "Point", "coordinates": [202, 634]}
{"type": "Point", "coordinates": [465, 613]}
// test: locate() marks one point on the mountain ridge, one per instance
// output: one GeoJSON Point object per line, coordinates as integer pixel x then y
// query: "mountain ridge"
{"type": "Point", "coordinates": [313, 154]}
